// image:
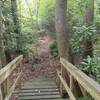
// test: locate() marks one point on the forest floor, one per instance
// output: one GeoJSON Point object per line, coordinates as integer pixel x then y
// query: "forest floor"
{"type": "Point", "coordinates": [47, 65]}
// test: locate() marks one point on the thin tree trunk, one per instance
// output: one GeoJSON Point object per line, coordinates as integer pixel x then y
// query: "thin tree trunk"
{"type": "Point", "coordinates": [61, 26]}
{"type": "Point", "coordinates": [89, 18]}
{"type": "Point", "coordinates": [20, 9]}
{"type": "Point", "coordinates": [37, 13]}
{"type": "Point", "coordinates": [31, 15]}
{"type": "Point", "coordinates": [2, 49]}
{"type": "Point", "coordinates": [17, 29]}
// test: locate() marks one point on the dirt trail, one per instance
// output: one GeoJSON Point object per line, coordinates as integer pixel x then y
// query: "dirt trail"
{"type": "Point", "coordinates": [47, 63]}
{"type": "Point", "coordinates": [46, 67]}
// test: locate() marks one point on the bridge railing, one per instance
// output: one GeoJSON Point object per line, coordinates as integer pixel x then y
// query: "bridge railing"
{"type": "Point", "coordinates": [6, 90]}
{"type": "Point", "coordinates": [87, 84]}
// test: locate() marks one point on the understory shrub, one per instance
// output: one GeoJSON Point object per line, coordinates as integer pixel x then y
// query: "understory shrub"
{"type": "Point", "coordinates": [81, 34]}
{"type": "Point", "coordinates": [91, 66]}
{"type": "Point", "coordinates": [32, 51]}
{"type": "Point", "coordinates": [53, 48]}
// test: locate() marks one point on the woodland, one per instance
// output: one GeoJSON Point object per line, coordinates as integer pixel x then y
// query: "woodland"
{"type": "Point", "coordinates": [45, 30]}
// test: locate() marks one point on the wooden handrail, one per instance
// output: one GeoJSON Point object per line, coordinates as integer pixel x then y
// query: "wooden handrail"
{"type": "Point", "coordinates": [6, 72]}
{"type": "Point", "coordinates": [92, 87]}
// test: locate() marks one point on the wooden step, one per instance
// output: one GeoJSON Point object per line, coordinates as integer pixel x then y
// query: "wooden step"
{"type": "Point", "coordinates": [39, 97]}
{"type": "Point", "coordinates": [38, 94]}
{"type": "Point", "coordinates": [43, 99]}
{"type": "Point", "coordinates": [39, 89]}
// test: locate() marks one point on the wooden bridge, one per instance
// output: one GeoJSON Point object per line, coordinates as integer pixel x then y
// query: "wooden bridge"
{"type": "Point", "coordinates": [43, 89]}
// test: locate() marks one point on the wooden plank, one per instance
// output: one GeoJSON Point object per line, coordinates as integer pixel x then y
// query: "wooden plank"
{"type": "Point", "coordinates": [1, 94]}
{"type": "Point", "coordinates": [71, 82]}
{"type": "Point", "coordinates": [72, 97]}
{"type": "Point", "coordinates": [13, 87]}
{"type": "Point", "coordinates": [61, 85]}
{"type": "Point", "coordinates": [57, 80]}
{"type": "Point", "coordinates": [43, 97]}
{"type": "Point", "coordinates": [7, 70]}
{"type": "Point", "coordinates": [38, 94]}
{"type": "Point", "coordinates": [92, 87]}
{"type": "Point", "coordinates": [36, 90]}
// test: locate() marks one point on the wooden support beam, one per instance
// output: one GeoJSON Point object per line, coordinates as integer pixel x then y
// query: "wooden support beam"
{"type": "Point", "coordinates": [13, 87]}
{"type": "Point", "coordinates": [61, 85]}
{"type": "Point", "coordinates": [72, 97]}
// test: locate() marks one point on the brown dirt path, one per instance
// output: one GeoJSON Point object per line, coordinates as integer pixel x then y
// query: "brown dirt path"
{"type": "Point", "coordinates": [47, 62]}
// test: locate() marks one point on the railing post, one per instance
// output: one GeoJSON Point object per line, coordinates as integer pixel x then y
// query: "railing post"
{"type": "Point", "coordinates": [71, 83]}
{"type": "Point", "coordinates": [1, 95]}
{"type": "Point", "coordinates": [61, 85]}
{"type": "Point", "coordinates": [57, 81]}
{"type": "Point", "coordinates": [4, 89]}
{"type": "Point", "coordinates": [62, 90]}
{"type": "Point", "coordinates": [72, 86]}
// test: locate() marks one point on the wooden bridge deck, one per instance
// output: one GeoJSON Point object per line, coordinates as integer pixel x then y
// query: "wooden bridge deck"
{"type": "Point", "coordinates": [40, 89]}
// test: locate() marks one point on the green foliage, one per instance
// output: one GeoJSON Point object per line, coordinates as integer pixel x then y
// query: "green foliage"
{"type": "Point", "coordinates": [46, 15]}
{"type": "Point", "coordinates": [91, 66]}
{"type": "Point", "coordinates": [76, 10]}
{"type": "Point", "coordinates": [80, 98]}
{"type": "Point", "coordinates": [32, 51]}
{"type": "Point", "coordinates": [53, 48]}
{"type": "Point", "coordinates": [81, 34]}
{"type": "Point", "coordinates": [97, 46]}
{"type": "Point", "coordinates": [42, 32]}
{"type": "Point", "coordinates": [10, 36]}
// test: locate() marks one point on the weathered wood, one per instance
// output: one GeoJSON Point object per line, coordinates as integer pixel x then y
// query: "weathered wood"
{"type": "Point", "coordinates": [71, 82]}
{"type": "Point", "coordinates": [61, 84]}
{"type": "Point", "coordinates": [38, 92]}
{"type": "Point", "coordinates": [72, 85]}
{"type": "Point", "coordinates": [11, 90]}
{"type": "Point", "coordinates": [4, 75]}
{"type": "Point", "coordinates": [92, 87]}
{"type": "Point", "coordinates": [85, 94]}
{"type": "Point", "coordinates": [72, 97]}
{"type": "Point", "coordinates": [57, 81]}
{"type": "Point", "coordinates": [7, 70]}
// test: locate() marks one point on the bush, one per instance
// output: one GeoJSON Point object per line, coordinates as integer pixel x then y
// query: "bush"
{"type": "Point", "coordinates": [81, 34]}
{"type": "Point", "coordinates": [53, 49]}
{"type": "Point", "coordinates": [91, 66]}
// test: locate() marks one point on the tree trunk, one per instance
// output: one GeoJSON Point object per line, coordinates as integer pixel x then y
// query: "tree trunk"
{"type": "Point", "coordinates": [62, 36]}
{"type": "Point", "coordinates": [2, 50]}
{"type": "Point", "coordinates": [89, 17]}
{"type": "Point", "coordinates": [37, 13]}
{"type": "Point", "coordinates": [17, 29]}
{"type": "Point", "coordinates": [61, 26]}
